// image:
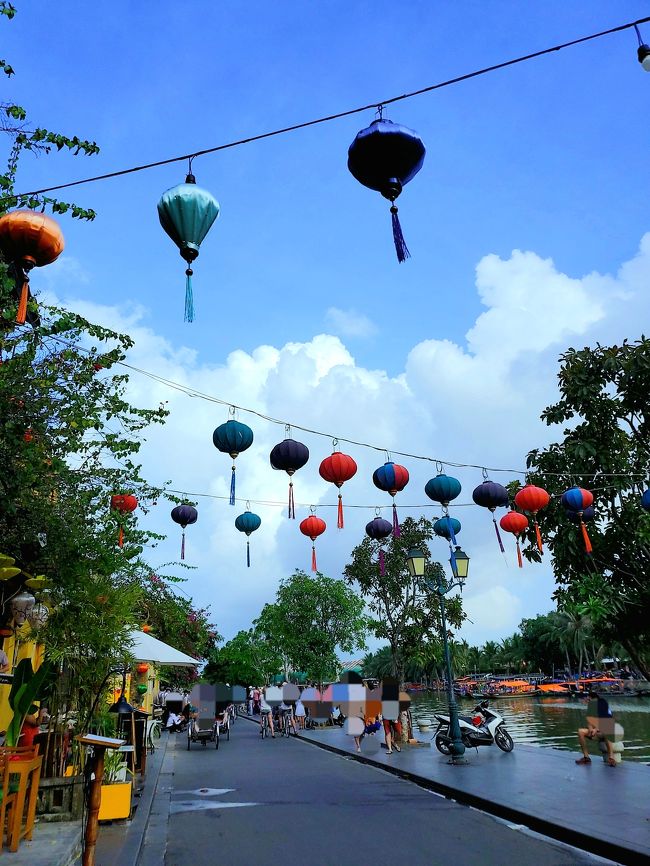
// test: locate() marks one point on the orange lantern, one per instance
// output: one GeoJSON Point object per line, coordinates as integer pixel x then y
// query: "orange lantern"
{"type": "Point", "coordinates": [142, 668]}
{"type": "Point", "coordinates": [125, 504]}
{"type": "Point", "coordinates": [29, 239]}
{"type": "Point", "coordinates": [146, 628]}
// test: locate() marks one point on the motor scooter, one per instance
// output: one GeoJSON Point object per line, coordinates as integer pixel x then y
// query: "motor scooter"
{"type": "Point", "coordinates": [482, 729]}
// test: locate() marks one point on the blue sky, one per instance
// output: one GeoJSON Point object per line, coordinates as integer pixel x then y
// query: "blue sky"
{"type": "Point", "coordinates": [450, 354]}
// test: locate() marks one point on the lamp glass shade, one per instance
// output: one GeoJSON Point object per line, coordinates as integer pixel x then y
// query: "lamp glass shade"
{"type": "Point", "coordinates": [462, 564]}
{"type": "Point", "coordinates": [21, 606]}
{"type": "Point", "coordinates": [416, 562]}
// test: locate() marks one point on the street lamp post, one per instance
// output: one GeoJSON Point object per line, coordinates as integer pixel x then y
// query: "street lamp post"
{"type": "Point", "coordinates": [459, 565]}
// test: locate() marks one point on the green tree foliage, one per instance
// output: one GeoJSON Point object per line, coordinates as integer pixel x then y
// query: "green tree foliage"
{"type": "Point", "coordinates": [404, 611]}
{"type": "Point", "coordinates": [248, 659]}
{"type": "Point", "coordinates": [310, 618]}
{"type": "Point", "coordinates": [604, 400]}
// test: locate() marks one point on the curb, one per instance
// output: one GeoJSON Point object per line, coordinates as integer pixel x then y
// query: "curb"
{"type": "Point", "coordinates": [153, 835]}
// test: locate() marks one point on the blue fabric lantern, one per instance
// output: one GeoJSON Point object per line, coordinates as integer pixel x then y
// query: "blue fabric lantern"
{"type": "Point", "coordinates": [379, 529]}
{"type": "Point", "coordinates": [385, 156]}
{"type": "Point", "coordinates": [447, 527]}
{"type": "Point", "coordinates": [232, 438]}
{"type": "Point", "coordinates": [248, 522]}
{"type": "Point", "coordinates": [443, 488]}
{"type": "Point", "coordinates": [186, 213]}
{"type": "Point", "coordinates": [184, 515]}
{"type": "Point", "coordinates": [645, 500]}
{"type": "Point", "coordinates": [289, 455]}
{"type": "Point", "coordinates": [491, 495]}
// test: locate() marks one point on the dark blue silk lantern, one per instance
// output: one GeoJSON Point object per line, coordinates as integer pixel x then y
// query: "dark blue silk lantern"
{"type": "Point", "coordinates": [187, 212]}
{"type": "Point", "coordinates": [184, 515]}
{"type": "Point", "coordinates": [232, 438]}
{"type": "Point", "coordinates": [385, 157]}
{"type": "Point", "coordinates": [491, 495]}
{"type": "Point", "coordinates": [645, 500]}
{"type": "Point", "coordinates": [379, 529]}
{"type": "Point", "coordinates": [587, 515]}
{"type": "Point", "coordinates": [248, 522]}
{"type": "Point", "coordinates": [290, 456]}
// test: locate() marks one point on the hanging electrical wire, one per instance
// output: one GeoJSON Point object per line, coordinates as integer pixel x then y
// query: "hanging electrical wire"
{"type": "Point", "coordinates": [347, 113]}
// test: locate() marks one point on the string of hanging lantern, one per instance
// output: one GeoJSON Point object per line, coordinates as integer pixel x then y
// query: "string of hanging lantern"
{"type": "Point", "coordinates": [290, 425]}
{"type": "Point", "coordinates": [643, 56]}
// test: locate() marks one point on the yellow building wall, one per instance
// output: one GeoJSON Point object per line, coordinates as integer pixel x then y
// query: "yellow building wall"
{"type": "Point", "coordinates": [17, 648]}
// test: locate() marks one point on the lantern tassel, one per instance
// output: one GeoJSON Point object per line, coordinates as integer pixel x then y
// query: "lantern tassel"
{"type": "Point", "coordinates": [313, 558]}
{"type": "Point", "coordinates": [452, 534]}
{"type": "Point", "coordinates": [382, 562]}
{"type": "Point", "coordinates": [232, 486]}
{"type": "Point", "coordinates": [396, 529]}
{"type": "Point", "coordinates": [21, 315]}
{"type": "Point", "coordinates": [400, 244]}
{"type": "Point", "coordinates": [339, 522]}
{"type": "Point", "coordinates": [183, 545]}
{"type": "Point", "coordinates": [539, 538]}
{"type": "Point", "coordinates": [519, 559]}
{"type": "Point", "coordinates": [248, 553]}
{"type": "Point", "coordinates": [292, 504]}
{"type": "Point", "coordinates": [585, 536]}
{"type": "Point", "coordinates": [189, 297]}
{"type": "Point", "coordinates": [120, 537]}
{"type": "Point", "coordinates": [496, 529]}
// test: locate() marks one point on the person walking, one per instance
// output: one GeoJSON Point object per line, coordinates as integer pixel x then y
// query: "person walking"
{"type": "Point", "coordinates": [299, 713]}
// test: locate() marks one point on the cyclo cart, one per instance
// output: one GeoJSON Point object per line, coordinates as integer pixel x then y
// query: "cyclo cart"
{"type": "Point", "coordinates": [204, 723]}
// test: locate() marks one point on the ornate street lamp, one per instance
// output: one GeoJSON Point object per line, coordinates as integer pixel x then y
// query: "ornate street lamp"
{"type": "Point", "coordinates": [416, 562]}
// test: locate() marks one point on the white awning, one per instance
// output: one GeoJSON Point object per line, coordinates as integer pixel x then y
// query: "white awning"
{"type": "Point", "coordinates": [146, 648]}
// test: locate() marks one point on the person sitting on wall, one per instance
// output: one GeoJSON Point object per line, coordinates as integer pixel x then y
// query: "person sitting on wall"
{"type": "Point", "coordinates": [600, 724]}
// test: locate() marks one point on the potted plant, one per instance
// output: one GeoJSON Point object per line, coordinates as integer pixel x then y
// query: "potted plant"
{"type": "Point", "coordinates": [116, 788]}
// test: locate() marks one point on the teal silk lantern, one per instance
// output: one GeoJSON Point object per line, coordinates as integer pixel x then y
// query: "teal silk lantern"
{"type": "Point", "coordinates": [186, 213]}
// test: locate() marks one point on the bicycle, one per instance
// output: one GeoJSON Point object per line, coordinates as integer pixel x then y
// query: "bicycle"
{"type": "Point", "coordinates": [285, 723]}
{"type": "Point", "coordinates": [264, 725]}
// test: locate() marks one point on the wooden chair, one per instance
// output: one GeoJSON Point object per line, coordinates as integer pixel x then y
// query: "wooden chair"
{"type": "Point", "coordinates": [8, 797]}
{"type": "Point", "coordinates": [23, 764]}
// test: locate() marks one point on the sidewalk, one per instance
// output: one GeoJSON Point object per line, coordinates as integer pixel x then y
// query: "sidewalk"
{"type": "Point", "coordinates": [119, 844]}
{"type": "Point", "coordinates": [599, 809]}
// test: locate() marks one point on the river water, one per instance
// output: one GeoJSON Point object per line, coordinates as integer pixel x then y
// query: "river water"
{"type": "Point", "coordinates": [552, 721]}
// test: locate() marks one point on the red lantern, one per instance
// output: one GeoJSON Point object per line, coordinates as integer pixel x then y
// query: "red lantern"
{"type": "Point", "coordinates": [29, 239]}
{"type": "Point", "coordinates": [312, 527]}
{"type": "Point", "coordinates": [142, 668]}
{"type": "Point", "coordinates": [146, 628]}
{"type": "Point", "coordinates": [124, 503]}
{"type": "Point", "coordinates": [533, 499]}
{"type": "Point", "coordinates": [338, 469]}
{"type": "Point", "coordinates": [515, 522]}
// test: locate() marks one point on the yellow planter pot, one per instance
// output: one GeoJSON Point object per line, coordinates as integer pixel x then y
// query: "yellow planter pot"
{"type": "Point", "coordinates": [115, 802]}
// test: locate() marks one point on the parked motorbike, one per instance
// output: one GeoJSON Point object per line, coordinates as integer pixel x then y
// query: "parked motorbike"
{"type": "Point", "coordinates": [482, 729]}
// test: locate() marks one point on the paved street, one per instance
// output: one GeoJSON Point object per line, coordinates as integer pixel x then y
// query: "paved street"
{"type": "Point", "coordinates": [286, 800]}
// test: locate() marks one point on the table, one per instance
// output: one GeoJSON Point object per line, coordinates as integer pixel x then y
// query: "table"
{"type": "Point", "coordinates": [29, 774]}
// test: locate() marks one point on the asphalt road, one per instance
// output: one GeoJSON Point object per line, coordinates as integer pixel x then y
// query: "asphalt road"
{"type": "Point", "coordinates": [286, 801]}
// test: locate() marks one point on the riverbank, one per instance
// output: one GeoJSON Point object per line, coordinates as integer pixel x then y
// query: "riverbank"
{"type": "Point", "coordinates": [597, 808]}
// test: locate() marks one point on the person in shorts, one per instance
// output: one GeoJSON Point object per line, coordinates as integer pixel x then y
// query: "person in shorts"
{"type": "Point", "coordinates": [600, 724]}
